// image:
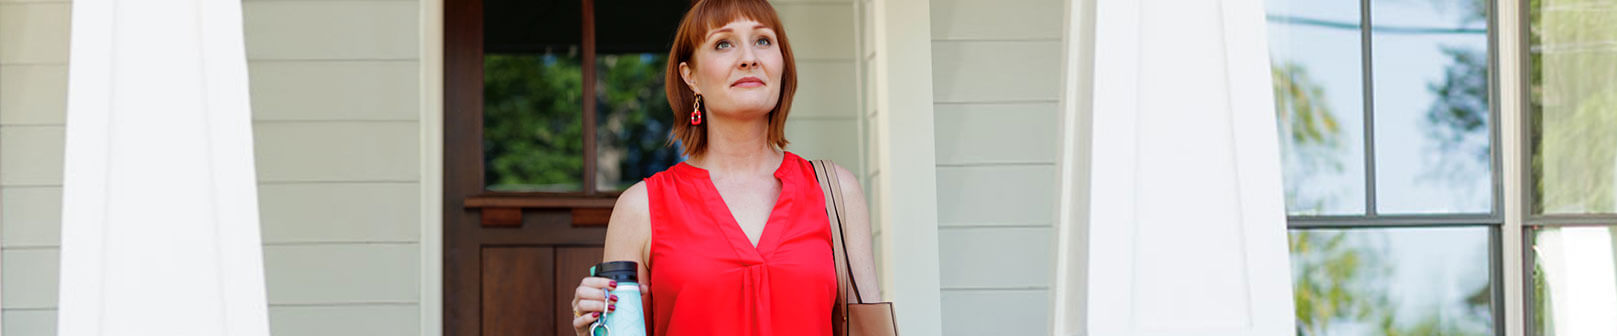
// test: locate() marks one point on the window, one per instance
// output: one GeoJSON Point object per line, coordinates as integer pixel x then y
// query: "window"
{"type": "Point", "coordinates": [1391, 171]}
{"type": "Point", "coordinates": [1572, 188]}
{"type": "Point", "coordinates": [573, 100]}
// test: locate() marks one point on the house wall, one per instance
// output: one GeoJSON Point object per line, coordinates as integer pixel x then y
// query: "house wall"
{"type": "Point", "coordinates": [337, 88]}
{"type": "Point", "coordinates": [33, 97]}
{"type": "Point", "coordinates": [824, 122]}
{"type": "Point", "coordinates": [335, 95]}
{"type": "Point", "coordinates": [996, 82]}
{"type": "Point", "coordinates": [336, 91]}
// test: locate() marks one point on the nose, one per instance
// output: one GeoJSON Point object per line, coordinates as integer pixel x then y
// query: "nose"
{"type": "Point", "coordinates": [749, 59]}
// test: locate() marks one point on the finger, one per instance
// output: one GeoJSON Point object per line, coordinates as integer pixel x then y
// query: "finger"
{"type": "Point", "coordinates": [588, 306]}
{"type": "Point", "coordinates": [583, 321]}
{"type": "Point", "coordinates": [597, 282]}
{"type": "Point", "coordinates": [589, 293]}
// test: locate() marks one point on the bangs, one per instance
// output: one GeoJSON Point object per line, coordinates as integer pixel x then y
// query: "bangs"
{"type": "Point", "coordinates": [713, 14]}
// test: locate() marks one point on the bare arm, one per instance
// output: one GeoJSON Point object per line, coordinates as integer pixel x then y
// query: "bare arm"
{"type": "Point", "coordinates": [629, 229]}
{"type": "Point", "coordinates": [627, 235]}
{"type": "Point", "coordinates": [857, 236]}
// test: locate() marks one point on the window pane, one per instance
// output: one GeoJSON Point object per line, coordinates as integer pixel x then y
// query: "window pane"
{"type": "Point", "coordinates": [1432, 121]}
{"type": "Point", "coordinates": [1573, 46]}
{"type": "Point", "coordinates": [1402, 281]}
{"type": "Point", "coordinates": [532, 91]}
{"type": "Point", "coordinates": [633, 119]}
{"type": "Point", "coordinates": [1319, 102]}
{"type": "Point", "coordinates": [1574, 281]}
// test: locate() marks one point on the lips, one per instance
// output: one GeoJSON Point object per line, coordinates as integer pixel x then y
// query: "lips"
{"type": "Point", "coordinates": [748, 81]}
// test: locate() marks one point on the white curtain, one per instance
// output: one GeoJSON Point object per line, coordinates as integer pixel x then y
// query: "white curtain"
{"type": "Point", "coordinates": [1187, 227]}
{"type": "Point", "coordinates": [160, 221]}
{"type": "Point", "coordinates": [1578, 270]}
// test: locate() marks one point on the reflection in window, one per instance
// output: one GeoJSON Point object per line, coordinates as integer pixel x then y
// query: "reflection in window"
{"type": "Point", "coordinates": [534, 67]}
{"type": "Point", "coordinates": [1573, 50]}
{"type": "Point", "coordinates": [532, 96]}
{"type": "Point", "coordinates": [1314, 47]}
{"type": "Point", "coordinates": [1400, 281]}
{"type": "Point", "coordinates": [634, 119]}
{"type": "Point", "coordinates": [1431, 108]}
{"type": "Point", "coordinates": [532, 128]}
{"type": "Point", "coordinates": [1432, 120]}
{"type": "Point", "coordinates": [1574, 281]}
{"type": "Point", "coordinates": [1427, 83]}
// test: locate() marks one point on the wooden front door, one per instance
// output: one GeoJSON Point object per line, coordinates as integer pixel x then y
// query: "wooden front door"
{"type": "Point", "coordinates": [536, 148]}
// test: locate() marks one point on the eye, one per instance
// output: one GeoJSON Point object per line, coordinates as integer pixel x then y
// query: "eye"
{"type": "Point", "coordinates": [762, 42]}
{"type": "Point", "coordinates": [721, 45]}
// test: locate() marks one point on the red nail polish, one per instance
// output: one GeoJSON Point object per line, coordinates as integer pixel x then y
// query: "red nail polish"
{"type": "Point", "coordinates": [613, 284]}
{"type": "Point", "coordinates": [614, 297]}
{"type": "Point", "coordinates": [611, 307]}
{"type": "Point", "coordinates": [597, 314]}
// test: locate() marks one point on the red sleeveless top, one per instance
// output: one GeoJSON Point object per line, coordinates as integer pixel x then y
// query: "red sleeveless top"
{"type": "Point", "coordinates": [708, 279]}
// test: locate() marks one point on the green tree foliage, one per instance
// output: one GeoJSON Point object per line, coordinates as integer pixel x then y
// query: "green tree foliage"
{"type": "Point", "coordinates": [635, 119]}
{"type": "Point", "coordinates": [1331, 281]}
{"type": "Point", "coordinates": [533, 137]}
{"type": "Point", "coordinates": [1574, 105]}
{"type": "Point", "coordinates": [1458, 121]}
{"type": "Point", "coordinates": [1342, 278]}
{"type": "Point", "coordinates": [1311, 134]}
{"type": "Point", "coordinates": [1301, 108]}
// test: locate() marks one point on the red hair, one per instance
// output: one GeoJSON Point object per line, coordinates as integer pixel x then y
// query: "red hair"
{"type": "Point", "coordinates": [708, 15]}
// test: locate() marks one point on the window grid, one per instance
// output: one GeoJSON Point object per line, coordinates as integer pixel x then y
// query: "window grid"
{"type": "Point", "coordinates": [1494, 220]}
{"type": "Point", "coordinates": [1533, 222]}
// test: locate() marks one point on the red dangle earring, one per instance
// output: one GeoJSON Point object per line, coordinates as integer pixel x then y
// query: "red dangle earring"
{"type": "Point", "coordinates": [696, 111]}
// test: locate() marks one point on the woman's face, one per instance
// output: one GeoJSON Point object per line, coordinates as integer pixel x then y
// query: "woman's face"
{"type": "Point", "coordinates": [737, 70]}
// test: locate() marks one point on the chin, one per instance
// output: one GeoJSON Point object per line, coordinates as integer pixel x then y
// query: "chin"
{"type": "Point", "coordinates": [750, 105]}
{"type": "Point", "coordinates": [753, 110]}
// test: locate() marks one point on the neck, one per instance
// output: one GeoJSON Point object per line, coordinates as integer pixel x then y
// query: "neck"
{"type": "Point", "coordinates": [738, 146]}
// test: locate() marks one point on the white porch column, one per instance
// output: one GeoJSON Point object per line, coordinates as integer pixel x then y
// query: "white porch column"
{"type": "Point", "coordinates": [1186, 229]}
{"type": "Point", "coordinates": [905, 145]}
{"type": "Point", "coordinates": [160, 220]}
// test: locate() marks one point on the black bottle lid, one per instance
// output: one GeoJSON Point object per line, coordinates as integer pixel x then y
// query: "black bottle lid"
{"type": "Point", "coordinates": [620, 271]}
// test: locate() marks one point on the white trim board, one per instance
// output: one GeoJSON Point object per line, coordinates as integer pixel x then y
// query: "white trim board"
{"type": "Point", "coordinates": [431, 180]}
{"type": "Point", "coordinates": [1068, 314]}
{"type": "Point", "coordinates": [1507, 31]}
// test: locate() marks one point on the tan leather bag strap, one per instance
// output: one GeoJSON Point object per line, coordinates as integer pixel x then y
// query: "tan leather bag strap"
{"type": "Point", "coordinates": [827, 176]}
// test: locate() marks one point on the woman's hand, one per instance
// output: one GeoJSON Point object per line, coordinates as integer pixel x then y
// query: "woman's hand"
{"type": "Point", "coordinates": [591, 300]}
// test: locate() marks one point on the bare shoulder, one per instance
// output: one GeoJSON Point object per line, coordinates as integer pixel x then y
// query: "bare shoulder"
{"type": "Point", "coordinates": [633, 202]}
{"type": "Point", "coordinates": [848, 181]}
{"type": "Point", "coordinates": [630, 226]}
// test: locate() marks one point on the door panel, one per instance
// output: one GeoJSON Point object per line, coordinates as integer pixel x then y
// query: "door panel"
{"type": "Point", "coordinates": [515, 281]}
{"type": "Point", "coordinates": [518, 290]}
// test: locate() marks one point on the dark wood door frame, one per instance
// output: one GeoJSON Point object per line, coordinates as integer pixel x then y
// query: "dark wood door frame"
{"type": "Point", "coordinates": [522, 258]}
{"type": "Point", "coordinates": [510, 258]}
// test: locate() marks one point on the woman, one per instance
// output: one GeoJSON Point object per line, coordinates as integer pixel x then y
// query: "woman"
{"type": "Point", "coordinates": [735, 240]}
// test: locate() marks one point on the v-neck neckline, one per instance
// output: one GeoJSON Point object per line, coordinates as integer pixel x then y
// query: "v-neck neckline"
{"type": "Point", "coordinates": [728, 222]}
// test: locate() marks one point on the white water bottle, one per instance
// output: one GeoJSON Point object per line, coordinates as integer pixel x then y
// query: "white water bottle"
{"type": "Point", "coordinates": [628, 317]}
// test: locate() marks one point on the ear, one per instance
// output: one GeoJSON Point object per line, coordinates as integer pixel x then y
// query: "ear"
{"type": "Point", "coordinates": [685, 74]}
